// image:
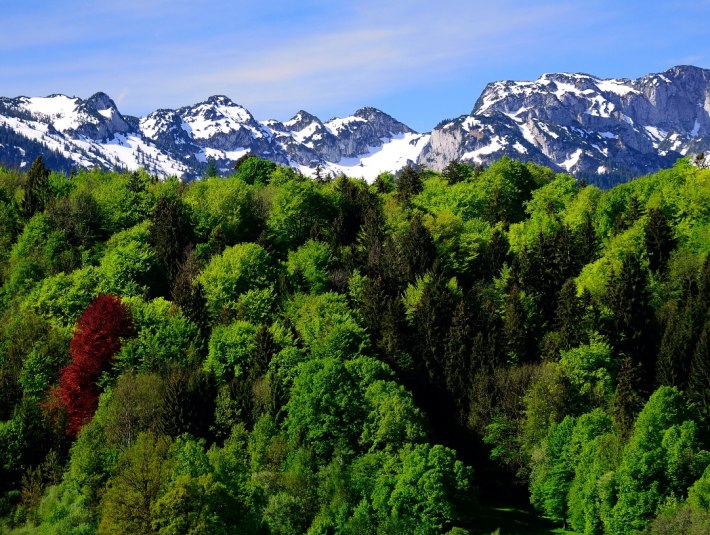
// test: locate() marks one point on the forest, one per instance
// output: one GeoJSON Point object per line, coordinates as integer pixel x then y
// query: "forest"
{"type": "Point", "coordinates": [266, 353]}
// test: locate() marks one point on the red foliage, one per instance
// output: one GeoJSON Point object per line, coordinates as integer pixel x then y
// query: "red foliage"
{"type": "Point", "coordinates": [97, 338]}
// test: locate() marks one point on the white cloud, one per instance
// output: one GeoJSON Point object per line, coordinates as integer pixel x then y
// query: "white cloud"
{"type": "Point", "coordinates": [276, 57]}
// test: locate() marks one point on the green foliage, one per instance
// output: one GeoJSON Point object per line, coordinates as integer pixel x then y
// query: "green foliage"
{"type": "Point", "coordinates": [308, 266]}
{"type": "Point", "coordinates": [238, 269]}
{"type": "Point", "coordinates": [299, 210]}
{"type": "Point", "coordinates": [415, 491]}
{"type": "Point", "coordinates": [63, 297]}
{"type": "Point", "coordinates": [590, 369]}
{"type": "Point", "coordinates": [128, 264]}
{"type": "Point", "coordinates": [327, 326]}
{"type": "Point", "coordinates": [296, 341]}
{"type": "Point", "coordinates": [326, 407]}
{"type": "Point", "coordinates": [659, 460]}
{"type": "Point", "coordinates": [256, 171]}
{"type": "Point", "coordinates": [225, 204]}
{"type": "Point", "coordinates": [133, 491]}
{"type": "Point", "coordinates": [163, 335]}
{"type": "Point", "coordinates": [230, 348]}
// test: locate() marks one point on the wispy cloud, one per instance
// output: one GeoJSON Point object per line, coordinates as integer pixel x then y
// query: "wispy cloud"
{"type": "Point", "coordinates": [276, 57]}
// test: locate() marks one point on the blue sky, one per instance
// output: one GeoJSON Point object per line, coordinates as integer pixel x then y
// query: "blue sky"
{"type": "Point", "coordinates": [419, 61]}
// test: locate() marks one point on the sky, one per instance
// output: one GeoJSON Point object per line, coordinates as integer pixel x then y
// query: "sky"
{"type": "Point", "coordinates": [419, 61]}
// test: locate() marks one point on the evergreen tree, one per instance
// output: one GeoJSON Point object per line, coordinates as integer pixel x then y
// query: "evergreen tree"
{"type": "Point", "coordinates": [628, 399]}
{"type": "Point", "coordinates": [496, 210]}
{"type": "Point", "coordinates": [495, 255]}
{"type": "Point", "coordinates": [37, 188]}
{"type": "Point", "coordinates": [170, 234]}
{"type": "Point", "coordinates": [456, 172]}
{"type": "Point", "coordinates": [632, 328]}
{"type": "Point", "coordinates": [585, 241]}
{"type": "Point", "coordinates": [418, 250]}
{"type": "Point", "coordinates": [676, 348]}
{"type": "Point", "coordinates": [659, 239]}
{"type": "Point", "coordinates": [431, 325]}
{"type": "Point", "coordinates": [634, 211]}
{"type": "Point", "coordinates": [520, 351]}
{"type": "Point", "coordinates": [569, 316]}
{"type": "Point", "coordinates": [457, 358]}
{"type": "Point", "coordinates": [211, 171]}
{"type": "Point", "coordinates": [408, 184]}
{"type": "Point", "coordinates": [189, 295]}
{"type": "Point", "coordinates": [699, 377]}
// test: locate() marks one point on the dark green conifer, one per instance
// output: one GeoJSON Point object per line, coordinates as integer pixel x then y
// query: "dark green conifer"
{"type": "Point", "coordinates": [628, 400]}
{"type": "Point", "coordinates": [659, 240]}
{"type": "Point", "coordinates": [408, 184]}
{"type": "Point", "coordinates": [211, 171]}
{"type": "Point", "coordinates": [676, 348]}
{"type": "Point", "coordinates": [456, 172]}
{"type": "Point", "coordinates": [37, 188]}
{"type": "Point", "coordinates": [170, 234]}
{"type": "Point", "coordinates": [699, 377]}
{"type": "Point", "coordinates": [457, 358]}
{"type": "Point", "coordinates": [632, 328]}
{"type": "Point", "coordinates": [418, 250]}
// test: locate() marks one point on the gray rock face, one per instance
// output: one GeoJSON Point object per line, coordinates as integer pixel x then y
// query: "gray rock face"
{"type": "Point", "coordinates": [93, 132]}
{"type": "Point", "coordinates": [602, 130]}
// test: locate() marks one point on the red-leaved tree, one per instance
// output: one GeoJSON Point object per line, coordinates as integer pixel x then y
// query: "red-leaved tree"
{"type": "Point", "coordinates": [97, 338]}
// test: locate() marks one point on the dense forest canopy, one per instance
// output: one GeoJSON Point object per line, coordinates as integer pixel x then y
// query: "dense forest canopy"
{"type": "Point", "coordinates": [266, 353]}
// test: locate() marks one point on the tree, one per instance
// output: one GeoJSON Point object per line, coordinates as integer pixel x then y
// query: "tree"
{"type": "Point", "coordinates": [457, 358]}
{"type": "Point", "coordinates": [659, 239]}
{"type": "Point", "coordinates": [308, 266]}
{"type": "Point", "coordinates": [143, 468]}
{"type": "Point", "coordinates": [520, 350]}
{"type": "Point", "coordinates": [628, 398]}
{"type": "Point", "coordinates": [326, 408]}
{"type": "Point", "coordinates": [423, 489]}
{"type": "Point", "coordinates": [632, 328]}
{"type": "Point", "coordinates": [211, 171]}
{"type": "Point", "coordinates": [230, 349]}
{"type": "Point", "coordinates": [170, 234]}
{"type": "Point", "coordinates": [661, 459]}
{"type": "Point", "coordinates": [569, 316]}
{"type": "Point", "coordinates": [256, 171]}
{"type": "Point", "coordinates": [37, 188]}
{"type": "Point", "coordinates": [457, 171]}
{"type": "Point", "coordinates": [699, 378]}
{"type": "Point", "coordinates": [408, 184]}
{"type": "Point", "coordinates": [676, 349]}
{"type": "Point", "coordinates": [96, 340]}
{"type": "Point", "coordinates": [299, 211]}
{"type": "Point", "coordinates": [417, 249]}
{"type": "Point", "coordinates": [238, 269]}
{"type": "Point", "coordinates": [551, 477]}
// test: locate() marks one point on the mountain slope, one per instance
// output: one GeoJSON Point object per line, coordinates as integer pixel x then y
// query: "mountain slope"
{"type": "Point", "coordinates": [583, 125]}
{"type": "Point", "coordinates": [603, 130]}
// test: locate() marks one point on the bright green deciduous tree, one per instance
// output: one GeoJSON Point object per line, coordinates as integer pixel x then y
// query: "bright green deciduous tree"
{"type": "Point", "coordinates": [308, 266]}
{"type": "Point", "coordinates": [237, 270]}
{"type": "Point", "coordinates": [661, 459]}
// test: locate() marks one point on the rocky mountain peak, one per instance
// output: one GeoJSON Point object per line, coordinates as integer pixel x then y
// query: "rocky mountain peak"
{"type": "Point", "coordinates": [301, 120]}
{"type": "Point", "coordinates": [601, 129]}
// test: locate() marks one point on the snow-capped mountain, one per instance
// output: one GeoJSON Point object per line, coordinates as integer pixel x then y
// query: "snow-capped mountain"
{"type": "Point", "coordinates": [583, 125]}
{"type": "Point", "coordinates": [69, 131]}
{"type": "Point", "coordinates": [601, 129]}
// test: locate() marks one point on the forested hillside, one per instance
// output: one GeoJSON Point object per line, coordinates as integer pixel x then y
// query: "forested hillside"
{"type": "Point", "coordinates": [267, 353]}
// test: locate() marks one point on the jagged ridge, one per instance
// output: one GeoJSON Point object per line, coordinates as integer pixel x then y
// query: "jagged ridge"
{"type": "Point", "coordinates": [602, 130]}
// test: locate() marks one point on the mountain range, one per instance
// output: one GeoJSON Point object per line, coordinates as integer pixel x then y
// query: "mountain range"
{"type": "Point", "coordinates": [602, 130]}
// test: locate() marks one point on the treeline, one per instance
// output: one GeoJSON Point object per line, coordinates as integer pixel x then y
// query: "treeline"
{"type": "Point", "coordinates": [266, 353]}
